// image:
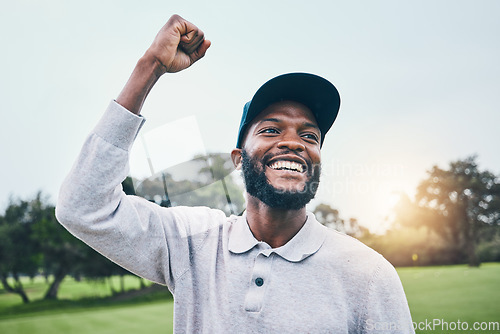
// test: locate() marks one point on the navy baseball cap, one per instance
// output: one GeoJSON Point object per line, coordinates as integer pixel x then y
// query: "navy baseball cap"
{"type": "Point", "coordinates": [315, 92]}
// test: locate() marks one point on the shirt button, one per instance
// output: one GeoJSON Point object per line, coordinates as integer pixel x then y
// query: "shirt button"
{"type": "Point", "coordinates": [259, 281]}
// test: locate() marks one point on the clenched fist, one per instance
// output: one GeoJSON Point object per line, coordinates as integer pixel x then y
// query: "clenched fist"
{"type": "Point", "coordinates": [178, 45]}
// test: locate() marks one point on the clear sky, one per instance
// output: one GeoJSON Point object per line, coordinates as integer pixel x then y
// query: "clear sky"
{"type": "Point", "coordinates": [419, 82]}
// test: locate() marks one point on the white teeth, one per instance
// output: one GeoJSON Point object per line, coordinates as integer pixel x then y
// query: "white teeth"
{"type": "Point", "coordinates": [290, 165]}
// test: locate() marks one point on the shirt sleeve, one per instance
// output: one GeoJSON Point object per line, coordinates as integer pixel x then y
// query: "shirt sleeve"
{"type": "Point", "coordinates": [386, 308]}
{"type": "Point", "coordinates": [129, 230]}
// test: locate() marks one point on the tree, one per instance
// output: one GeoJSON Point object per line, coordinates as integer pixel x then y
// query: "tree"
{"type": "Point", "coordinates": [61, 252]}
{"type": "Point", "coordinates": [96, 267]}
{"type": "Point", "coordinates": [19, 253]}
{"type": "Point", "coordinates": [32, 241]}
{"type": "Point", "coordinates": [458, 203]}
{"type": "Point", "coordinates": [409, 241]}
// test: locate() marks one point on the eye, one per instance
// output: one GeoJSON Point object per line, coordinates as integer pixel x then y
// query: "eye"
{"type": "Point", "coordinates": [269, 130]}
{"type": "Point", "coordinates": [311, 137]}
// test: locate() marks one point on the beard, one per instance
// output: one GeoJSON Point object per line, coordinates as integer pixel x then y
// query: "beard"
{"type": "Point", "coordinates": [258, 185]}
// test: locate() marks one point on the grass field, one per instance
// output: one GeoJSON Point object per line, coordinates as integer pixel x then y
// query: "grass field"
{"type": "Point", "coordinates": [450, 294]}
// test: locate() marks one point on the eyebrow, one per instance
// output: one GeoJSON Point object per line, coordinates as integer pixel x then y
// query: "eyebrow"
{"type": "Point", "coordinates": [270, 120]}
{"type": "Point", "coordinates": [309, 124]}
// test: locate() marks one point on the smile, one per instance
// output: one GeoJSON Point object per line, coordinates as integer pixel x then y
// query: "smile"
{"type": "Point", "coordinates": [287, 165]}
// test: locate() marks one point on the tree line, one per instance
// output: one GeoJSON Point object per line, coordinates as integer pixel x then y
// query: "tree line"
{"type": "Point", "coordinates": [453, 219]}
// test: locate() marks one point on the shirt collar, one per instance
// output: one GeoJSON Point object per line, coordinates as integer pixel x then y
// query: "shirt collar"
{"type": "Point", "coordinates": [241, 238]}
{"type": "Point", "coordinates": [305, 243]}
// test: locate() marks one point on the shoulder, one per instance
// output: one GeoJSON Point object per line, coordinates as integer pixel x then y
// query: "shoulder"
{"type": "Point", "coordinates": [350, 256]}
{"type": "Point", "coordinates": [337, 245]}
{"type": "Point", "coordinates": [345, 243]}
{"type": "Point", "coordinates": [347, 246]}
{"type": "Point", "coordinates": [364, 271]}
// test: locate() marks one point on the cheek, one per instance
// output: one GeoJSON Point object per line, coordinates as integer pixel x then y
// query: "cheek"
{"type": "Point", "coordinates": [315, 155]}
{"type": "Point", "coordinates": [254, 150]}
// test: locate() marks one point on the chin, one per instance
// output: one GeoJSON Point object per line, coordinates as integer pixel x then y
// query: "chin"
{"type": "Point", "coordinates": [289, 187]}
{"type": "Point", "coordinates": [291, 184]}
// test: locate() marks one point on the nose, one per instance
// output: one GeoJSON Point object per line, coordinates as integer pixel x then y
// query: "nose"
{"type": "Point", "coordinates": [292, 143]}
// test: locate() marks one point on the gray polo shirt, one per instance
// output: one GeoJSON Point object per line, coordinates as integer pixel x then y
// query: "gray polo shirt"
{"type": "Point", "coordinates": [222, 278]}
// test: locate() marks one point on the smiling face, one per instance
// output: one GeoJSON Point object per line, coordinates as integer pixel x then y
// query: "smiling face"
{"type": "Point", "coordinates": [281, 155]}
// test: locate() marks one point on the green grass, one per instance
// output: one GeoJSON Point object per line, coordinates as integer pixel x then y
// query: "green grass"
{"type": "Point", "coordinates": [155, 317]}
{"type": "Point", "coordinates": [450, 293]}
{"type": "Point", "coordinates": [88, 307]}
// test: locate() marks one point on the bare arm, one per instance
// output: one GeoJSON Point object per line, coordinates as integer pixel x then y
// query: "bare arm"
{"type": "Point", "coordinates": [177, 46]}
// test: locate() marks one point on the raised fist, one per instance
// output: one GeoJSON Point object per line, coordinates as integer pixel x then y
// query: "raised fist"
{"type": "Point", "coordinates": [178, 45]}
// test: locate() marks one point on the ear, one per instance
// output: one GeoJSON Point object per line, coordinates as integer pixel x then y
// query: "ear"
{"type": "Point", "coordinates": [236, 157]}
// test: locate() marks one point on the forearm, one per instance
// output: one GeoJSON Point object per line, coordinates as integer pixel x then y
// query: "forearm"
{"type": "Point", "coordinates": [147, 71]}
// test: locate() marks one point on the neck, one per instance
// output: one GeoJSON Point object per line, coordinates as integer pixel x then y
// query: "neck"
{"type": "Point", "coordinates": [274, 226]}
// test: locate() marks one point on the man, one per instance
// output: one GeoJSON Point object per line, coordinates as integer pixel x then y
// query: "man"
{"type": "Point", "coordinates": [274, 269]}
